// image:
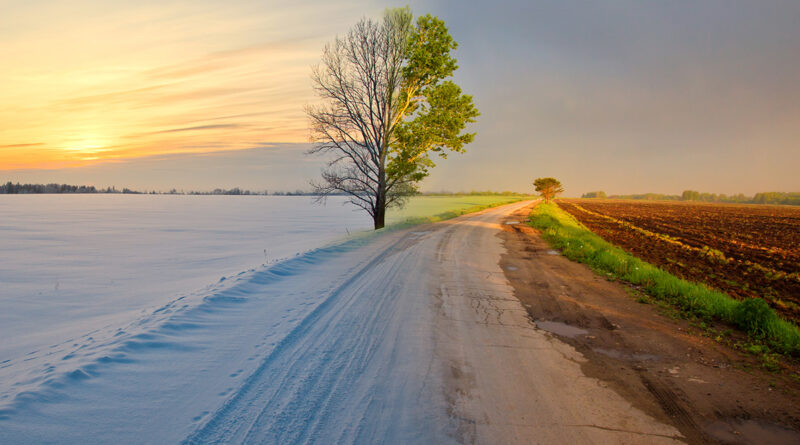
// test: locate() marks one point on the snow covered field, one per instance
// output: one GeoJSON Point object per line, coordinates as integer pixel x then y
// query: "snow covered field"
{"type": "Point", "coordinates": [76, 268]}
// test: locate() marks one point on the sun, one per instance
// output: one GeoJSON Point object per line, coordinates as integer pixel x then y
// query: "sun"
{"type": "Point", "coordinates": [87, 148]}
{"type": "Point", "coordinates": [90, 146]}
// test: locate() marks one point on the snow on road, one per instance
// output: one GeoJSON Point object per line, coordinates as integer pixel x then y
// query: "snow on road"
{"type": "Point", "coordinates": [412, 336]}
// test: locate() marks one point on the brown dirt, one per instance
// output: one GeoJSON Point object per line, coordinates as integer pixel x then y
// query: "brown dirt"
{"type": "Point", "coordinates": [747, 251]}
{"type": "Point", "coordinates": [709, 391]}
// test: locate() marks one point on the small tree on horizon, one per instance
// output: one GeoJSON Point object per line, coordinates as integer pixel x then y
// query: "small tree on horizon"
{"type": "Point", "coordinates": [548, 188]}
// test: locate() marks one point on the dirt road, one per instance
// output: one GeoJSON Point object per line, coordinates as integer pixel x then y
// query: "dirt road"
{"type": "Point", "coordinates": [509, 382]}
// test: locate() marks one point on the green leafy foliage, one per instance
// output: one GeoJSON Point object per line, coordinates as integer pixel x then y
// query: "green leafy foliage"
{"type": "Point", "coordinates": [598, 194]}
{"type": "Point", "coordinates": [435, 111]}
{"type": "Point", "coordinates": [388, 103]}
{"type": "Point", "coordinates": [548, 188]}
{"type": "Point", "coordinates": [778, 198]}
{"type": "Point", "coordinates": [428, 58]}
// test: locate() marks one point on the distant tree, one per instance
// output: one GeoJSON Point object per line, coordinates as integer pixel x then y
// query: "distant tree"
{"type": "Point", "coordinates": [648, 197]}
{"type": "Point", "coordinates": [387, 104]}
{"type": "Point", "coordinates": [599, 194]}
{"type": "Point", "coordinates": [690, 195]}
{"type": "Point", "coordinates": [782, 198]}
{"type": "Point", "coordinates": [548, 188]}
{"type": "Point", "coordinates": [777, 198]}
{"type": "Point", "coordinates": [10, 188]}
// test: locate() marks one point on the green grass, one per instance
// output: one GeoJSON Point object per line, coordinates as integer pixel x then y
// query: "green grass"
{"type": "Point", "coordinates": [753, 316]}
{"type": "Point", "coordinates": [427, 209]}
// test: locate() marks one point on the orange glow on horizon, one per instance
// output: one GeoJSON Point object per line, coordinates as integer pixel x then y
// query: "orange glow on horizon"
{"type": "Point", "coordinates": [87, 89]}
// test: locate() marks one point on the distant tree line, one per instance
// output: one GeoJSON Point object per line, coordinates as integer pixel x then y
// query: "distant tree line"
{"type": "Point", "coordinates": [238, 191]}
{"type": "Point", "coordinates": [777, 198]}
{"type": "Point", "coordinates": [643, 196]}
{"type": "Point", "coordinates": [10, 188]}
{"type": "Point", "coordinates": [218, 191]}
{"type": "Point", "coordinates": [599, 194]}
{"type": "Point", "coordinates": [782, 198]}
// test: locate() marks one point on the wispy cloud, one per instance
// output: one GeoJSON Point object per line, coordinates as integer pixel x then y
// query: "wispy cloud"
{"type": "Point", "coordinates": [35, 144]}
{"type": "Point", "coordinates": [200, 127]}
{"type": "Point", "coordinates": [132, 80]}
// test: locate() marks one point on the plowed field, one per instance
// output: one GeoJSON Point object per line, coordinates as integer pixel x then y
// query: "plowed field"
{"type": "Point", "coordinates": [744, 250]}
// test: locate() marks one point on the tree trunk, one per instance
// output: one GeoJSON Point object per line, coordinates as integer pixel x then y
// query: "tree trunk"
{"type": "Point", "coordinates": [380, 218]}
{"type": "Point", "coordinates": [380, 206]}
{"type": "Point", "coordinates": [380, 200]}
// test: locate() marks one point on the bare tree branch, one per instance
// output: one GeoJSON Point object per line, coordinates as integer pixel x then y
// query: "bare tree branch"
{"type": "Point", "coordinates": [371, 80]}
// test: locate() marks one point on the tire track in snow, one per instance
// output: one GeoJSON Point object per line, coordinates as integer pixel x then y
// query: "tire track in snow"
{"type": "Point", "coordinates": [322, 376]}
{"type": "Point", "coordinates": [242, 318]}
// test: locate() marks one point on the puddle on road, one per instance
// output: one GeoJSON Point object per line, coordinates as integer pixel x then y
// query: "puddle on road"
{"type": "Point", "coordinates": [736, 431]}
{"type": "Point", "coordinates": [552, 252]}
{"type": "Point", "coordinates": [511, 223]}
{"type": "Point", "coordinates": [614, 353]}
{"type": "Point", "coordinates": [511, 268]}
{"type": "Point", "coordinates": [559, 328]}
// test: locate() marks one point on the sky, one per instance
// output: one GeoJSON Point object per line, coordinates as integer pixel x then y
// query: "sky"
{"type": "Point", "coordinates": [621, 96]}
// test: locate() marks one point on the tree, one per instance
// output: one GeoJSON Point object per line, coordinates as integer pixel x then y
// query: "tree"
{"type": "Point", "coordinates": [387, 105]}
{"type": "Point", "coordinates": [690, 195]}
{"type": "Point", "coordinates": [548, 188]}
{"type": "Point", "coordinates": [598, 194]}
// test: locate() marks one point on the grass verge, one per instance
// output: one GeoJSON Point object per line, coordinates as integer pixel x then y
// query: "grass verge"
{"type": "Point", "coordinates": [753, 316]}
{"type": "Point", "coordinates": [455, 207]}
{"type": "Point", "coordinates": [424, 213]}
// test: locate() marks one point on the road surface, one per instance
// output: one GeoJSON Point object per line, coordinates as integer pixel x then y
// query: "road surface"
{"type": "Point", "coordinates": [412, 336]}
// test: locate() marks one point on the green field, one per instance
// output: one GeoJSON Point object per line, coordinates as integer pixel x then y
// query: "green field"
{"type": "Point", "coordinates": [421, 209]}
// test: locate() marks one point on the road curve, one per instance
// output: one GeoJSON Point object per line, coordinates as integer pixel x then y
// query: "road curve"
{"type": "Point", "coordinates": [425, 342]}
{"type": "Point", "coordinates": [410, 336]}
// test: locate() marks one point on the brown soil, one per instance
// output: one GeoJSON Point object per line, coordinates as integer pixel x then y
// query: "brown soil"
{"type": "Point", "coordinates": [709, 391]}
{"type": "Point", "coordinates": [747, 251]}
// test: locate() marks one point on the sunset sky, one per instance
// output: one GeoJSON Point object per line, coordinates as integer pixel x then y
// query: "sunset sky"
{"type": "Point", "coordinates": [623, 96]}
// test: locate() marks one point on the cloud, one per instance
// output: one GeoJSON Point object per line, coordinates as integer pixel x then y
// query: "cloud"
{"type": "Point", "coordinates": [200, 127]}
{"type": "Point", "coordinates": [35, 144]}
{"type": "Point", "coordinates": [112, 98]}
{"type": "Point", "coordinates": [273, 166]}
{"type": "Point", "coordinates": [289, 48]}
